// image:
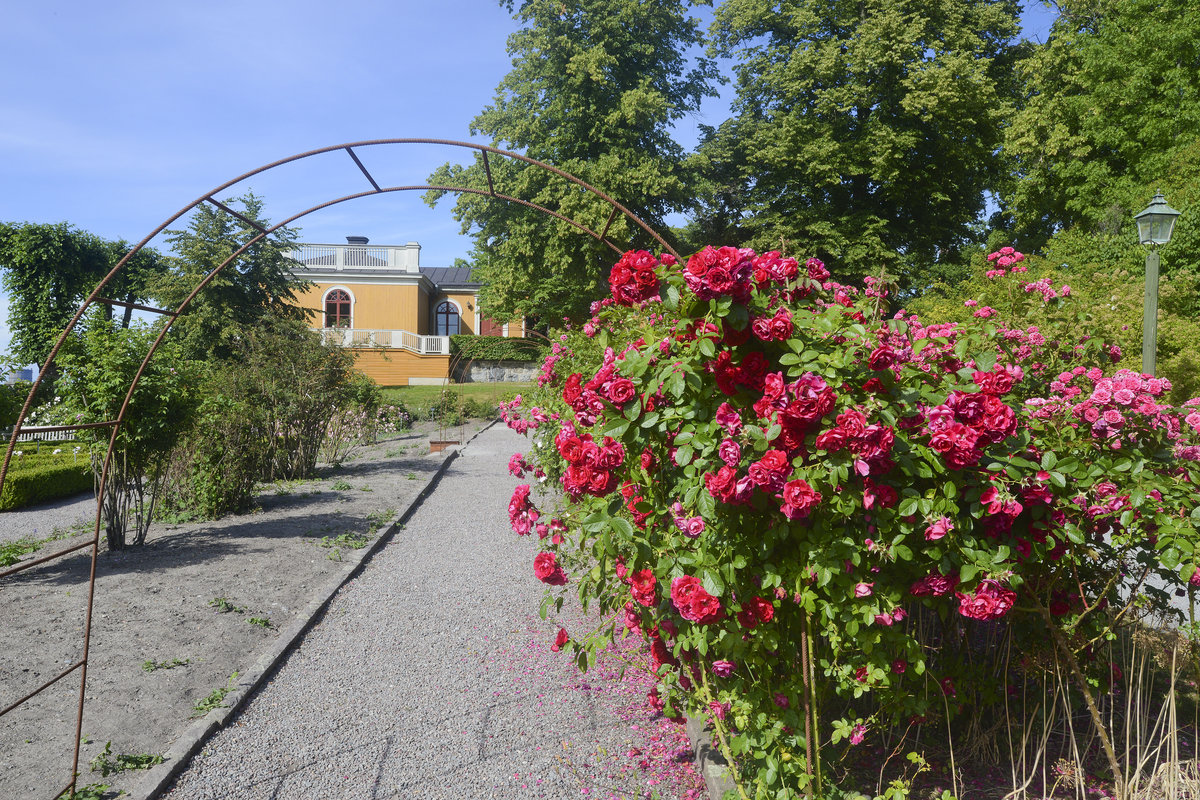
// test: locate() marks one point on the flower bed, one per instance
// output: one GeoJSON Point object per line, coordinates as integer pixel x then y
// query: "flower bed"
{"type": "Point", "coordinates": [816, 515]}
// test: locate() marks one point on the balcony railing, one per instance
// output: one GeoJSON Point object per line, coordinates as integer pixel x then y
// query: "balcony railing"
{"type": "Point", "coordinates": [354, 256]}
{"type": "Point", "coordinates": [388, 340]}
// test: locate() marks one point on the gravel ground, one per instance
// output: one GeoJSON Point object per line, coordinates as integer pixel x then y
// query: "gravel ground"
{"type": "Point", "coordinates": [429, 676]}
{"type": "Point", "coordinates": [46, 519]}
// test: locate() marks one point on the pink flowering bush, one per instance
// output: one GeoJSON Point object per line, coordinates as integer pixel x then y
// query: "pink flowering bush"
{"type": "Point", "coordinates": [755, 464]}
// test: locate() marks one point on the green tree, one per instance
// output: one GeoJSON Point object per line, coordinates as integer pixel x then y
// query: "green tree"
{"type": "Point", "coordinates": [594, 90]}
{"type": "Point", "coordinates": [48, 269]}
{"type": "Point", "coordinates": [1111, 112]}
{"type": "Point", "coordinates": [865, 131]}
{"type": "Point", "coordinates": [255, 284]}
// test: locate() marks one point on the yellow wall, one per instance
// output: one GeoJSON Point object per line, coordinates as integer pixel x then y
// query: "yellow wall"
{"type": "Point", "coordinates": [395, 367]}
{"type": "Point", "coordinates": [376, 306]}
{"type": "Point", "coordinates": [423, 324]}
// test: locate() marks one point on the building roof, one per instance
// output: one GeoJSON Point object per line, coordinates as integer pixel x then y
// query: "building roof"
{"type": "Point", "coordinates": [450, 277]}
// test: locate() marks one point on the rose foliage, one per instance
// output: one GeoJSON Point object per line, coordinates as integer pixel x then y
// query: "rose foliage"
{"type": "Point", "coordinates": [754, 459]}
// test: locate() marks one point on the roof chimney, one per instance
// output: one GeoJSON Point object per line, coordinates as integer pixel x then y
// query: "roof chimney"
{"type": "Point", "coordinates": [357, 240]}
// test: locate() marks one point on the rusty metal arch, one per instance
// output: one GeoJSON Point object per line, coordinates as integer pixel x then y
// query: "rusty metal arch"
{"type": "Point", "coordinates": [210, 197]}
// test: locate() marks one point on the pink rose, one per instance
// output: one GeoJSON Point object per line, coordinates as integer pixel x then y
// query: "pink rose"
{"type": "Point", "coordinates": [723, 668]}
{"type": "Point", "coordinates": [939, 529]}
{"type": "Point", "coordinates": [990, 600]}
{"type": "Point", "coordinates": [863, 589]}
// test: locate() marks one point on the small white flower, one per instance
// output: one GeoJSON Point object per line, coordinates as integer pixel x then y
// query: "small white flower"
{"type": "Point", "coordinates": [56, 452]}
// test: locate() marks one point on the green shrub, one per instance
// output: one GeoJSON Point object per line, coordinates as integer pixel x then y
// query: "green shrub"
{"type": "Point", "coordinates": [495, 348]}
{"type": "Point", "coordinates": [28, 486]}
{"type": "Point", "coordinates": [478, 409]}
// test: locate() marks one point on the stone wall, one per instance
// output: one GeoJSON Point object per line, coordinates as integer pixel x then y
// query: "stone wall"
{"type": "Point", "coordinates": [487, 371]}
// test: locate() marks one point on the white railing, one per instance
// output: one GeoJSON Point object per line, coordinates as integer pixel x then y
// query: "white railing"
{"type": "Point", "coordinates": [354, 256]}
{"type": "Point", "coordinates": [387, 339]}
{"type": "Point", "coordinates": [33, 433]}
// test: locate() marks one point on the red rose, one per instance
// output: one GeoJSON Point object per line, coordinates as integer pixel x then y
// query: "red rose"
{"type": "Point", "coordinates": [799, 499]}
{"type": "Point", "coordinates": [547, 570]}
{"type": "Point", "coordinates": [560, 640]}
{"type": "Point", "coordinates": [693, 602]}
{"type": "Point", "coordinates": [642, 587]}
{"type": "Point", "coordinates": [621, 391]}
{"type": "Point", "coordinates": [572, 389]}
{"type": "Point", "coordinates": [882, 358]}
{"type": "Point", "coordinates": [781, 325]}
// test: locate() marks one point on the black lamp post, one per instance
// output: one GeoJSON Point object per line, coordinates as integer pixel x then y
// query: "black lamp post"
{"type": "Point", "coordinates": [1155, 225]}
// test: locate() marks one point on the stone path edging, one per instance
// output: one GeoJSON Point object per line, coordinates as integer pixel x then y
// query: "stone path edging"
{"type": "Point", "coordinates": [709, 761]}
{"type": "Point", "coordinates": [181, 751]}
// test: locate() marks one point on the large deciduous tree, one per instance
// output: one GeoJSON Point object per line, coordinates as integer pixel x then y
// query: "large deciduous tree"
{"type": "Point", "coordinates": [48, 269]}
{"type": "Point", "coordinates": [594, 90]}
{"type": "Point", "coordinates": [865, 131]}
{"type": "Point", "coordinates": [1111, 111]}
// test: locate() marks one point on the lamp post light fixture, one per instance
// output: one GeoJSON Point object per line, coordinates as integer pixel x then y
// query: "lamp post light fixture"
{"type": "Point", "coordinates": [1155, 225]}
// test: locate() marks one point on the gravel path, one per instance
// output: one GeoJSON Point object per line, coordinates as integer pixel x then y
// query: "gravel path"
{"type": "Point", "coordinates": [48, 518]}
{"type": "Point", "coordinates": [428, 676]}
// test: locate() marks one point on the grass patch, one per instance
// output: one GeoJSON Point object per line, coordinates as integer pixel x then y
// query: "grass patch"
{"type": "Point", "coordinates": [341, 486]}
{"type": "Point", "coordinates": [261, 622]}
{"type": "Point", "coordinates": [420, 399]}
{"type": "Point", "coordinates": [152, 665]}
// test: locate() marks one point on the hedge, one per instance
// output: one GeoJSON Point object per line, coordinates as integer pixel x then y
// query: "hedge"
{"type": "Point", "coordinates": [38, 484]}
{"type": "Point", "coordinates": [495, 348]}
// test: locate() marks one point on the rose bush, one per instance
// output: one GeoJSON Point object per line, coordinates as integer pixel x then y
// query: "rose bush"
{"type": "Point", "coordinates": [815, 515]}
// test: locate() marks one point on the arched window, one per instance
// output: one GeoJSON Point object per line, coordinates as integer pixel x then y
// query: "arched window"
{"type": "Point", "coordinates": [446, 319]}
{"type": "Point", "coordinates": [337, 309]}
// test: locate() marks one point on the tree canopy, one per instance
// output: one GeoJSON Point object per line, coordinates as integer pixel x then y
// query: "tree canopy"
{"type": "Point", "coordinates": [594, 89]}
{"type": "Point", "coordinates": [864, 131]}
{"type": "Point", "coordinates": [1111, 111]}
{"type": "Point", "coordinates": [48, 269]}
{"type": "Point", "coordinates": [255, 284]}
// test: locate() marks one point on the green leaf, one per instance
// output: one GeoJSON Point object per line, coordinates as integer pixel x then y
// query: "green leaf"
{"type": "Point", "coordinates": [617, 427]}
{"type": "Point", "coordinates": [621, 525]}
{"type": "Point", "coordinates": [711, 580]}
{"type": "Point", "coordinates": [1049, 460]}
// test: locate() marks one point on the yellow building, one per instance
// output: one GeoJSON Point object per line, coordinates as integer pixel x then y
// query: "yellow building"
{"type": "Point", "coordinates": [397, 315]}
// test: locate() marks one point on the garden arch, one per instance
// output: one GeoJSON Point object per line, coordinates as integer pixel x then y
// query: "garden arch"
{"type": "Point", "coordinates": [96, 297]}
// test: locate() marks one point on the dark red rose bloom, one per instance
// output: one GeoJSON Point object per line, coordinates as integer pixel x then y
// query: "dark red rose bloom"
{"type": "Point", "coordinates": [547, 569]}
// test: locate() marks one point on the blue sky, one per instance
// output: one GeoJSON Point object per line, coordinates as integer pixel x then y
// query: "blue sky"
{"type": "Point", "coordinates": [119, 114]}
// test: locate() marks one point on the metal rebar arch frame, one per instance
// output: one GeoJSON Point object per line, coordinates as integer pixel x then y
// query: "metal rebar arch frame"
{"type": "Point", "coordinates": [210, 197]}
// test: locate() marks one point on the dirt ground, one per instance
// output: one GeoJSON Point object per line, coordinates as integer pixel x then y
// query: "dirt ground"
{"type": "Point", "coordinates": [157, 603]}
